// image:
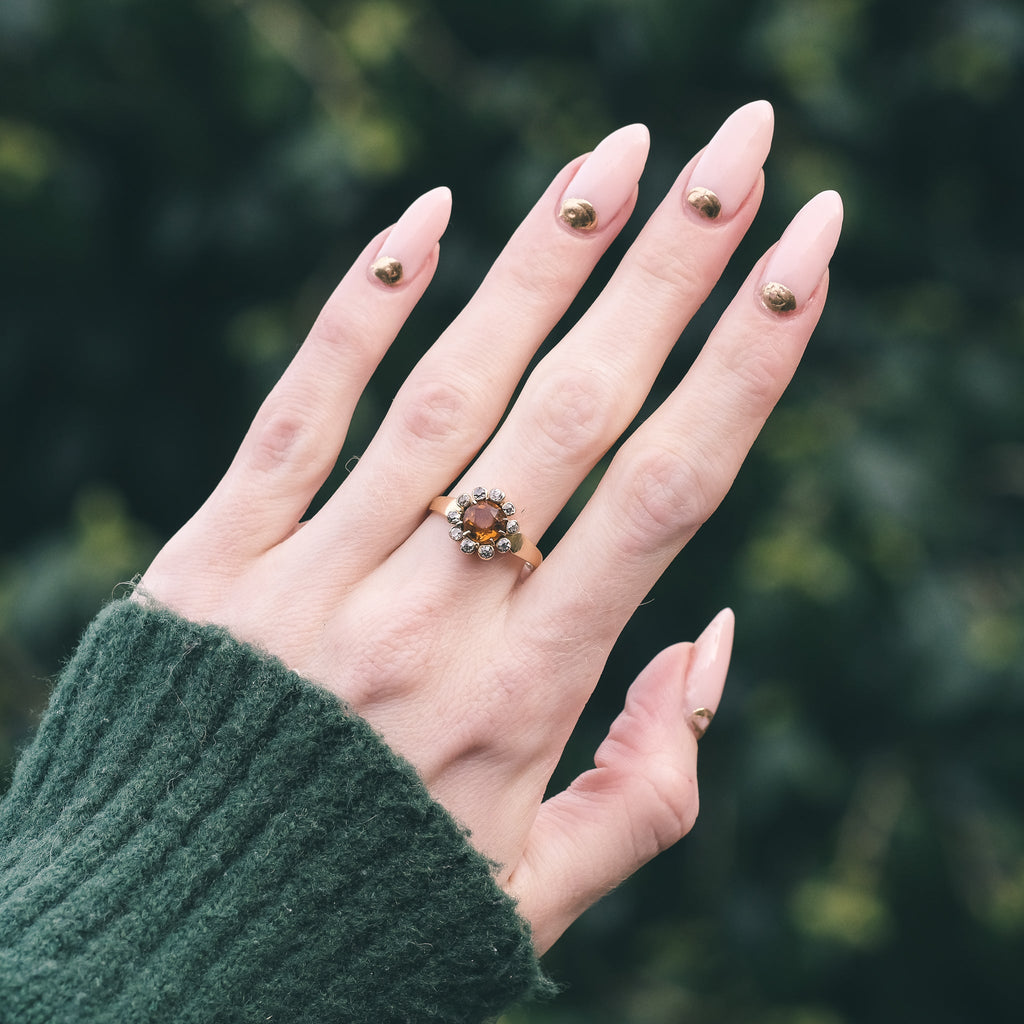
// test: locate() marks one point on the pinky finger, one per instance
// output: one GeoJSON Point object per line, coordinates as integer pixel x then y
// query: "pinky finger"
{"type": "Point", "coordinates": [639, 799]}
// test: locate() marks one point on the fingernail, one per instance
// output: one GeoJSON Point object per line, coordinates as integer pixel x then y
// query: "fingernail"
{"type": "Point", "coordinates": [411, 241]}
{"type": "Point", "coordinates": [729, 167]}
{"type": "Point", "coordinates": [798, 262]}
{"type": "Point", "coordinates": [605, 180]}
{"type": "Point", "coordinates": [707, 669]}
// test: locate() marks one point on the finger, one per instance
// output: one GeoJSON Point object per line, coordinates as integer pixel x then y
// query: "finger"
{"type": "Point", "coordinates": [639, 799]}
{"type": "Point", "coordinates": [454, 397]}
{"type": "Point", "coordinates": [295, 438]}
{"type": "Point", "coordinates": [674, 471]}
{"type": "Point", "coordinates": [591, 386]}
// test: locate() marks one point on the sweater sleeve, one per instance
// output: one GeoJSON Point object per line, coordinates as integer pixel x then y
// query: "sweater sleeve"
{"type": "Point", "coordinates": [198, 834]}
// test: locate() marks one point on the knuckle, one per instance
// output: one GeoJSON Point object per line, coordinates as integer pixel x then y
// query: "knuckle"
{"type": "Point", "coordinates": [760, 370]}
{"type": "Point", "coordinates": [573, 414]}
{"type": "Point", "coordinates": [660, 805]}
{"type": "Point", "coordinates": [435, 410]}
{"type": "Point", "coordinates": [673, 806]}
{"type": "Point", "coordinates": [347, 334]}
{"type": "Point", "coordinates": [668, 493]}
{"type": "Point", "coordinates": [283, 439]}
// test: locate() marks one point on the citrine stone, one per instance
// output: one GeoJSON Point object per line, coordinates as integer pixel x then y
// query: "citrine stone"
{"type": "Point", "coordinates": [483, 521]}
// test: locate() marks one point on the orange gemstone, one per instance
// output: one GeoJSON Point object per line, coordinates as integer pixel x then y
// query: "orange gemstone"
{"type": "Point", "coordinates": [483, 522]}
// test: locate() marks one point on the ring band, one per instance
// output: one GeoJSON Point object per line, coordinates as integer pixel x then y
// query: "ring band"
{"type": "Point", "coordinates": [483, 523]}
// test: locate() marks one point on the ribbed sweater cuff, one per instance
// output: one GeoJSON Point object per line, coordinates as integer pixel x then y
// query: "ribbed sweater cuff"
{"type": "Point", "coordinates": [198, 834]}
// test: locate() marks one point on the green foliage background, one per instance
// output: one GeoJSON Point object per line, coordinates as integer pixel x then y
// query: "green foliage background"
{"type": "Point", "coordinates": [182, 181]}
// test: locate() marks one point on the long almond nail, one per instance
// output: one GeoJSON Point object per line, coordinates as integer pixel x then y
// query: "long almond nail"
{"type": "Point", "coordinates": [799, 261]}
{"type": "Point", "coordinates": [605, 180]}
{"type": "Point", "coordinates": [707, 669]}
{"type": "Point", "coordinates": [411, 241]}
{"type": "Point", "coordinates": [729, 167]}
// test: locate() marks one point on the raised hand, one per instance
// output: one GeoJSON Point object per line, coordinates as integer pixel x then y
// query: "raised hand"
{"type": "Point", "coordinates": [476, 668]}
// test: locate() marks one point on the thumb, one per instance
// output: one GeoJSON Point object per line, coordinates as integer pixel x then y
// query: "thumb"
{"type": "Point", "coordinates": [640, 797]}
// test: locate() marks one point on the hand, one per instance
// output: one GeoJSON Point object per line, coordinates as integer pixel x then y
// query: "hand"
{"type": "Point", "coordinates": [476, 671]}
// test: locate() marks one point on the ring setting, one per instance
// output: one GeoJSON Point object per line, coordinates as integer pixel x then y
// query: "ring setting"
{"type": "Point", "coordinates": [483, 523]}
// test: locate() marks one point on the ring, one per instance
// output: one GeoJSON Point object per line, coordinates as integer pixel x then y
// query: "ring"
{"type": "Point", "coordinates": [482, 523]}
{"type": "Point", "coordinates": [699, 720]}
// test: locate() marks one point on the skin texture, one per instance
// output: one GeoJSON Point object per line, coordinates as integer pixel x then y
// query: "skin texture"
{"type": "Point", "coordinates": [484, 714]}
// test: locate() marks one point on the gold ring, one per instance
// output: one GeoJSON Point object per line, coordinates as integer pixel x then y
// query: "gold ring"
{"type": "Point", "coordinates": [483, 523]}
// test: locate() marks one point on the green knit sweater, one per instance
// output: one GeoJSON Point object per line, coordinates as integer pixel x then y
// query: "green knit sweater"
{"type": "Point", "coordinates": [198, 834]}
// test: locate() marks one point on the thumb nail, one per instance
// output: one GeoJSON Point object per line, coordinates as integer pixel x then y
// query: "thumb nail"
{"type": "Point", "coordinates": [706, 672]}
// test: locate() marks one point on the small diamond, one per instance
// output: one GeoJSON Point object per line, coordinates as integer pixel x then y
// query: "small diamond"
{"type": "Point", "coordinates": [481, 522]}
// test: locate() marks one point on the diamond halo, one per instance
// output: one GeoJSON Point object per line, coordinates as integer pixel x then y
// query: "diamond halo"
{"type": "Point", "coordinates": [482, 523]}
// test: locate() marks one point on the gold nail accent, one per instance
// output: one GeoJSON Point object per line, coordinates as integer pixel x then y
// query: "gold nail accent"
{"type": "Point", "coordinates": [388, 270]}
{"type": "Point", "coordinates": [578, 214]}
{"type": "Point", "coordinates": [700, 719]}
{"type": "Point", "coordinates": [777, 297]}
{"type": "Point", "coordinates": [705, 202]}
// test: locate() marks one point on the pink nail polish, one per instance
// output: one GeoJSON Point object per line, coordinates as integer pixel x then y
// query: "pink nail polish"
{"type": "Point", "coordinates": [798, 262]}
{"type": "Point", "coordinates": [411, 241]}
{"type": "Point", "coordinates": [728, 168]}
{"type": "Point", "coordinates": [605, 180]}
{"type": "Point", "coordinates": [707, 669]}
